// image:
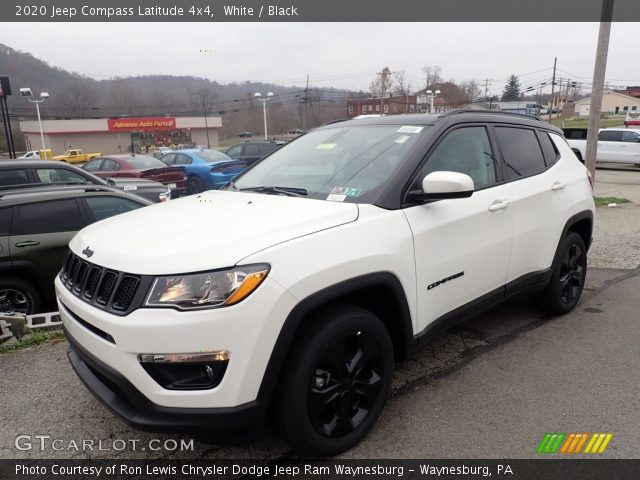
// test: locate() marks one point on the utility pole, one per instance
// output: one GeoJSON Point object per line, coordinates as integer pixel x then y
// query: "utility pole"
{"type": "Point", "coordinates": [206, 126]}
{"type": "Point", "coordinates": [305, 100]}
{"type": "Point", "coordinates": [597, 84]}
{"type": "Point", "coordinates": [486, 88]}
{"type": "Point", "coordinates": [553, 84]}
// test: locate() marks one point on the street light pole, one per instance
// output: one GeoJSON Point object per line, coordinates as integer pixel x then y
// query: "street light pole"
{"type": "Point", "coordinates": [206, 126]}
{"type": "Point", "coordinates": [432, 95]}
{"type": "Point", "coordinates": [258, 95]}
{"type": "Point", "coordinates": [26, 92]}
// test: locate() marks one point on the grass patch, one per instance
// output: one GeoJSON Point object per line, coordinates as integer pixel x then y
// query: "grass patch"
{"type": "Point", "coordinates": [604, 201]}
{"type": "Point", "coordinates": [33, 339]}
{"type": "Point", "coordinates": [584, 122]}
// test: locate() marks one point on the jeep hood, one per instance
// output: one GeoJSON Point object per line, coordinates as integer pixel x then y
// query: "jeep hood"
{"type": "Point", "coordinates": [215, 229]}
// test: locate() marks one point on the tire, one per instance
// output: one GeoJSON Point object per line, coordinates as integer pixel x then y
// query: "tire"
{"type": "Point", "coordinates": [195, 185]}
{"type": "Point", "coordinates": [17, 295]}
{"type": "Point", "coordinates": [329, 398]}
{"type": "Point", "coordinates": [569, 272]}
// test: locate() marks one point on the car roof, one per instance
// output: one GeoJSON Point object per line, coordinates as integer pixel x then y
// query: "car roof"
{"type": "Point", "coordinates": [38, 194]}
{"type": "Point", "coordinates": [28, 163]}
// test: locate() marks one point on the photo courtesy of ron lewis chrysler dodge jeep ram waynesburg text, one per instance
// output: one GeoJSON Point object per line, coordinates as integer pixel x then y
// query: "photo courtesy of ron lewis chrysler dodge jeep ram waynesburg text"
{"type": "Point", "coordinates": [296, 288]}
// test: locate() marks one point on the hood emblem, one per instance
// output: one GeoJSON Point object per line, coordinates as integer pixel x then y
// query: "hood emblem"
{"type": "Point", "coordinates": [88, 252]}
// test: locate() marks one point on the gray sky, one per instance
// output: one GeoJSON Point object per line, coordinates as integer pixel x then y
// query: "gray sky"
{"type": "Point", "coordinates": [343, 55]}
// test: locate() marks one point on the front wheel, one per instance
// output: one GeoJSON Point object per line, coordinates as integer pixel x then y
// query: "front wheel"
{"type": "Point", "coordinates": [337, 381]}
{"type": "Point", "coordinates": [569, 272]}
{"type": "Point", "coordinates": [18, 296]}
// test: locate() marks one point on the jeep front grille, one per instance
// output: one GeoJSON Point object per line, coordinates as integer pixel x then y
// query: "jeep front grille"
{"type": "Point", "coordinates": [106, 289]}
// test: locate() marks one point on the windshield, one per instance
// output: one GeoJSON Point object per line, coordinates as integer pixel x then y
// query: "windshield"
{"type": "Point", "coordinates": [341, 163]}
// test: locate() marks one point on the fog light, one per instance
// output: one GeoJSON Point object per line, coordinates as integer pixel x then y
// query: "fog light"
{"type": "Point", "coordinates": [186, 371]}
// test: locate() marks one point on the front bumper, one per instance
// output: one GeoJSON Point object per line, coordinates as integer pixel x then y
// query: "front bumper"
{"type": "Point", "coordinates": [126, 401]}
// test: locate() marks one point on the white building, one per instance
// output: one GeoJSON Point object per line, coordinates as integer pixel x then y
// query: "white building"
{"type": "Point", "coordinates": [612, 104]}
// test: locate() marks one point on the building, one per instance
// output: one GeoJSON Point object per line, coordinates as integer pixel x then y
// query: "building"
{"type": "Point", "coordinates": [631, 91]}
{"type": "Point", "coordinates": [613, 103]}
{"type": "Point", "coordinates": [388, 106]}
{"type": "Point", "coordinates": [116, 135]}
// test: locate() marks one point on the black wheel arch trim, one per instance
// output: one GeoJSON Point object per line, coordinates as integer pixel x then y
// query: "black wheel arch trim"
{"type": "Point", "coordinates": [323, 297]}
{"type": "Point", "coordinates": [578, 217]}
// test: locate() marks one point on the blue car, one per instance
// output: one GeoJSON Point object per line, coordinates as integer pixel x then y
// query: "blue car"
{"type": "Point", "coordinates": [206, 169]}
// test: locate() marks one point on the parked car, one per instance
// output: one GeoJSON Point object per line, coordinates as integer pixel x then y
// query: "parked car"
{"type": "Point", "coordinates": [32, 173]}
{"type": "Point", "coordinates": [615, 145]}
{"type": "Point", "coordinates": [76, 155]}
{"type": "Point", "coordinates": [632, 118]}
{"type": "Point", "coordinates": [160, 151]}
{"type": "Point", "coordinates": [206, 169]}
{"type": "Point", "coordinates": [36, 225]}
{"type": "Point", "coordinates": [318, 268]}
{"type": "Point", "coordinates": [254, 150]}
{"type": "Point", "coordinates": [31, 154]}
{"type": "Point", "coordinates": [245, 134]}
{"type": "Point", "coordinates": [140, 166]}
{"type": "Point", "coordinates": [296, 131]}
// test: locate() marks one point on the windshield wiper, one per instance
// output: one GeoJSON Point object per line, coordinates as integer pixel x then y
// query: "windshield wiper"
{"type": "Point", "coordinates": [290, 191]}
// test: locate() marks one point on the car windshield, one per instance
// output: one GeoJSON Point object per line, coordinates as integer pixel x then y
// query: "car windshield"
{"type": "Point", "coordinates": [340, 163]}
{"type": "Point", "coordinates": [143, 161]}
{"type": "Point", "coordinates": [210, 156]}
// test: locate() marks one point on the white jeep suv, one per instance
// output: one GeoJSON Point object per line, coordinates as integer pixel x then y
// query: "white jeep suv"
{"type": "Point", "coordinates": [297, 288]}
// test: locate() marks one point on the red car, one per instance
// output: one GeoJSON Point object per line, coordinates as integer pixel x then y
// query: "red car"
{"type": "Point", "coordinates": [141, 166]}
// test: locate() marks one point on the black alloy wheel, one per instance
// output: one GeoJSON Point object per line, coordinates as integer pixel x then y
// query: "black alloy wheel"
{"type": "Point", "coordinates": [195, 185]}
{"type": "Point", "coordinates": [18, 296]}
{"type": "Point", "coordinates": [569, 272]}
{"type": "Point", "coordinates": [336, 381]}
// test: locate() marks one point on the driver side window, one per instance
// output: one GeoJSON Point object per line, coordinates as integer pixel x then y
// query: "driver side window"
{"type": "Point", "coordinates": [464, 150]}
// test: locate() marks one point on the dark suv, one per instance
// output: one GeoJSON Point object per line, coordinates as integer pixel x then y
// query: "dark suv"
{"type": "Point", "coordinates": [36, 225]}
{"type": "Point", "coordinates": [42, 173]}
{"type": "Point", "coordinates": [254, 150]}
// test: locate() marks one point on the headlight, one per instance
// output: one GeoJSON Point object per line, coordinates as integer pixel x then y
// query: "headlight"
{"type": "Point", "coordinates": [209, 289]}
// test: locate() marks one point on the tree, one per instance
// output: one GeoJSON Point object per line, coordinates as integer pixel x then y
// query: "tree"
{"type": "Point", "coordinates": [432, 76]}
{"type": "Point", "coordinates": [511, 89]}
{"type": "Point", "coordinates": [401, 85]}
{"type": "Point", "coordinates": [381, 85]}
{"type": "Point", "coordinates": [471, 89]}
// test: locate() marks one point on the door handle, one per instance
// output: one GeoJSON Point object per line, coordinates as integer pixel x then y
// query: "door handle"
{"type": "Point", "coordinates": [499, 205]}
{"type": "Point", "coordinates": [28, 243]}
{"type": "Point", "coordinates": [558, 185]}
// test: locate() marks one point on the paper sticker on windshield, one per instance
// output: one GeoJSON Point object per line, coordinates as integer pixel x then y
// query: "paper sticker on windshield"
{"type": "Point", "coordinates": [336, 198]}
{"type": "Point", "coordinates": [325, 146]}
{"type": "Point", "coordinates": [130, 187]}
{"type": "Point", "coordinates": [348, 191]}
{"type": "Point", "coordinates": [410, 129]}
{"type": "Point", "coordinates": [402, 138]}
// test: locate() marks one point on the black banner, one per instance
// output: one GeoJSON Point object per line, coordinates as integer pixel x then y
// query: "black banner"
{"type": "Point", "coordinates": [314, 11]}
{"type": "Point", "coordinates": [301, 469]}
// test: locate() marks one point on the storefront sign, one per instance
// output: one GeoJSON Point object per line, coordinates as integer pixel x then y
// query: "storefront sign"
{"type": "Point", "coordinates": [142, 123]}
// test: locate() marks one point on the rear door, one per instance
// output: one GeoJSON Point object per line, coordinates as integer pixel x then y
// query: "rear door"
{"type": "Point", "coordinates": [630, 147]}
{"type": "Point", "coordinates": [6, 215]}
{"type": "Point", "coordinates": [609, 146]}
{"type": "Point", "coordinates": [41, 232]}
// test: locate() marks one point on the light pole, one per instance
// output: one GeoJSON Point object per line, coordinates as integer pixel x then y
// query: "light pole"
{"type": "Point", "coordinates": [26, 92]}
{"type": "Point", "coordinates": [264, 101]}
{"type": "Point", "coordinates": [204, 114]}
{"type": "Point", "coordinates": [432, 95]}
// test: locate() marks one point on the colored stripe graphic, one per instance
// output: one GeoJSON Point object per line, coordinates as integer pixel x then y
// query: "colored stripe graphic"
{"type": "Point", "coordinates": [572, 443]}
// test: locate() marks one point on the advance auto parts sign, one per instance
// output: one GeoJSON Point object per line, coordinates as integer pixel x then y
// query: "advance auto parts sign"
{"type": "Point", "coordinates": [141, 123]}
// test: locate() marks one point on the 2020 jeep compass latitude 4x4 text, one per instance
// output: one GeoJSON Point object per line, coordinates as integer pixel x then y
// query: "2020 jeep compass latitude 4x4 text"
{"type": "Point", "coordinates": [298, 287]}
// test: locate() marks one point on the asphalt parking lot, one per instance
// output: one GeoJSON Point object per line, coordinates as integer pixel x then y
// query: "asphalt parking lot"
{"type": "Point", "coordinates": [491, 388]}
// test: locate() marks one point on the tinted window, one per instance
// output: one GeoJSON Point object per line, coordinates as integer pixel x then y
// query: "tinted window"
{"type": "Point", "coordinates": [47, 217]}
{"type": "Point", "coordinates": [105, 207]}
{"type": "Point", "coordinates": [210, 156]}
{"type": "Point", "coordinates": [465, 150]}
{"type": "Point", "coordinates": [268, 148]}
{"type": "Point", "coordinates": [630, 136]}
{"type": "Point", "coordinates": [110, 165]}
{"type": "Point", "coordinates": [169, 159]}
{"type": "Point", "coordinates": [59, 175]}
{"type": "Point", "coordinates": [251, 149]}
{"type": "Point", "coordinates": [183, 160]}
{"type": "Point", "coordinates": [234, 151]}
{"type": "Point", "coordinates": [610, 136]}
{"type": "Point", "coordinates": [520, 151]}
{"type": "Point", "coordinates": [5, 220]}
{"type": "Point", "coordinates": [547, 145]}
{"type": "Point", "coordinates": [93, 165]}
{"type": "Point", "coordinates": [13, 177]}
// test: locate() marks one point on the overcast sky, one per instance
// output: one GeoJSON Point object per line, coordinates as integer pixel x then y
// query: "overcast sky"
{"type": "Point", "coordinates": [343, 55]}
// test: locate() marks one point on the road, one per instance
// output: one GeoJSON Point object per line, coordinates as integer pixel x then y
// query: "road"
{"type": "Point", "coordinates": [489, 389]}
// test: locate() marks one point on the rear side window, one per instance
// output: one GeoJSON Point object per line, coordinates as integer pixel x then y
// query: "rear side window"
{"type": "Point", "coordinates": [5, 221]}
{"type": "Point", "coordinates": [549, 148]}
{"type": "Point", "coordinates": [105, 207]}
{"type": "Point", "coordinates": [268, 148]}
{"type": "Point", "coordinates": [610, 136]}
{"type": "Point", "coordinates": [251, 149]}
{"type": "Point", "coordinates": [13, 177]}
{"type": "Point", "coordinates": [110, 166]}
{"type": "Point", "coordinates": [521, 152]}
{"type": "Point", "coordinates": [48, 217]}
{"type": "Point", "coordinates": [59, 175]}
{"type": "Point", "coordinates": [93, 165]}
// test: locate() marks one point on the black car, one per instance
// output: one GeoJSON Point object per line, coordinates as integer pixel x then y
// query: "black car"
{"type": "Point", "coordinates": [253, 150]}
{"type": "Point", "coordinates": [36, 224]}
{"type": "Point", "coordinates": [245, 134]}
{"type": "Point", "coordinates": [41, 173]}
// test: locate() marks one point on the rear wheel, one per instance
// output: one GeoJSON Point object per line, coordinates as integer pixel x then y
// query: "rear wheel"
{"type": "Point", "coordinates": [568, 276]}
{"type": "Point", "coordinates": [337, 381]}
{"type": "Point", "coordinates": [195, 185]}
{"type": "Point", "coordinates": [18, 296]}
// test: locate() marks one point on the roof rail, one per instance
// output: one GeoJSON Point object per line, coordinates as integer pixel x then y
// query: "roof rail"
{"type": "Point", "coordinates": [334, 121]}
{"type": "Point", "coordinates": [55, 188]}
{"type": "Point", "coordinates": [490, 112]}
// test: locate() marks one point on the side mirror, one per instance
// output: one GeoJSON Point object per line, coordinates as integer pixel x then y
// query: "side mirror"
{"type": "Point", "coordinates": [444, 185]}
